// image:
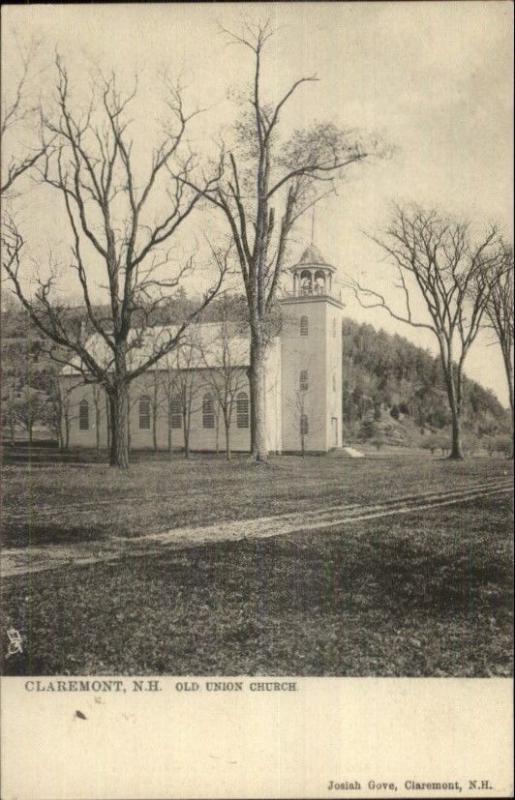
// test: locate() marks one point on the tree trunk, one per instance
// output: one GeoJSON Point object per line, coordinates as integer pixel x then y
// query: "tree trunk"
{"type": "Point", "coordinates": [108, 423]}
{"type": "Point", "coordinates": [66, 442]}
{"type": "Point", "coordinates": [257, 377]}
{"type": "Point", "coordinates": [186, 427]}
{"type": "Point", "coordinates": [509, 375]}
{"type": "Point", "coordinates": [456, 445]}
{"type": "Point", "coordinates": [97, 426]}
{"type": "Point", "coordinates": [154, 430]}
{"type": "Point", "coordinates": [227, 425]}
{"type": "Point", "coordinates": [119, 452]}
{"type": "Point", "coordinates": [169, 434]}
{"type": "Point", "coordinates": [155, 405]}
{"type": "Point", "coordinates": [128, 422]}
{"type": "Point", "coordinates": [453, 376]}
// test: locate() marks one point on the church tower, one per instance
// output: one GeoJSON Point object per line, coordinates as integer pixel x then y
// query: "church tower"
{"type": "Point", "coordinates": [311, 358]}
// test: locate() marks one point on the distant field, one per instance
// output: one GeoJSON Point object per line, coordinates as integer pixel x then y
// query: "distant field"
{"type": "Point", "coordinates": [427, 593]}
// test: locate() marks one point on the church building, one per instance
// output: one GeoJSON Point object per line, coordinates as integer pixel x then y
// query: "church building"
{"type": "Point", "coordinates": [181, 400]}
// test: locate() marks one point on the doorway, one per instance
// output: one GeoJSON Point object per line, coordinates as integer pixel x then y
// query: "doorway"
{"type": "Point", "coordinates": [334, 430]}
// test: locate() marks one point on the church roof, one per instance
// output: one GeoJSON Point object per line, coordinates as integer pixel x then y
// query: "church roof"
{"type": "Point", "coordinates": [203, 347]}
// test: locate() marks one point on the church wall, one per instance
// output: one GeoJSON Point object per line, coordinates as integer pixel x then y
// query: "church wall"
{"type": "Point", "coordinates": [71, 395]}
{"type": "Point", "coordinates": [334, 375]}
{"type": "Point", "coordinates": [201, 438]}
{"type": "Point", "coordinates": [304, 353]}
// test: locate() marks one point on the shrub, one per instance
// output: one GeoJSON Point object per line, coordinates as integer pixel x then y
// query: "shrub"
{"type": "Point", "coordinates": [435, 442]}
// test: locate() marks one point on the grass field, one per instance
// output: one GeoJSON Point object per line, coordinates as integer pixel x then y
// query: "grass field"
{"type": "Point", "coordinates": [428, 593]}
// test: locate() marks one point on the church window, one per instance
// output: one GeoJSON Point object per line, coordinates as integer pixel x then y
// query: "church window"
{"type": "Point", "coordinates": [304, 326]}
{"type": "Point", "coordinates": [144, 413]}
{"type": "Point", "coordinates": [84, 415]}
{"type": "Point", "coordinates": [304, 424]}
{"type": "Point", "coordinates": [208, 411]}
{"type": "Point", "coordinates": [242, 410]}
{"type": "Point", "coordinates": [175, 413]}
{"type": "Point", "coordinates": [334, 326]}
{"type": "Point", "coordinates": [334, 382]}
{"type": "Point", "coordinates": [303, 380]}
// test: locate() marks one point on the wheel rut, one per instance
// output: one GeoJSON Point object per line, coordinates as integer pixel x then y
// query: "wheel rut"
{"type": "Point", "coordinates": [18, 561]}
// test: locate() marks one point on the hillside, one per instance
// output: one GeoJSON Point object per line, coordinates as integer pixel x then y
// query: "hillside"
{"type": "Point", "coordinates": [395, 389]}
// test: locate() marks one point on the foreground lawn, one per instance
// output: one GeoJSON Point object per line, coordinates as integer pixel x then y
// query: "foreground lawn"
{"type": "Point", "coordinates": [60, 503]}
{"type": "Point", "coordinates": [426, 594]}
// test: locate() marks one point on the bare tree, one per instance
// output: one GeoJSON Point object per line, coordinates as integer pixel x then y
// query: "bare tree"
{"type": "Point", "coordinates": [110, 208]}
{"type": "Point", "coordinates": [171, 395]}
{"type": "Point", "coordinates": [19, 112]}
{"type": "Point", "coordinates": [225, 373]}
{"type": "Point", "coordinates": [63, 408]}
{"type": "Point", "coordinates": [499, 316]}
{"type": "Point", "coordinates": [263, 188]}
{"type": "Point", "coordinates": [187, 383]}
{"type": "Point", "coordinates": [29, 407]}
{"type": "Point", "coordinates": [436, 261]}
{"type": "Point", "coordinates": [55, 409]}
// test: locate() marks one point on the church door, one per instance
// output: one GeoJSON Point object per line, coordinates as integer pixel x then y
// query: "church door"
{"type": "Point", "coordinates": [334, 427]}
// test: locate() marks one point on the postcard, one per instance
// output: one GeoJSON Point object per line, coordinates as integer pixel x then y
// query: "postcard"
{"type": "Point", "coordinates": [257, 400]}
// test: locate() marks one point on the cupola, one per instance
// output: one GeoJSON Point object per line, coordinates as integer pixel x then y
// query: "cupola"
{"type": "Point", "coordinates": [312, 275]}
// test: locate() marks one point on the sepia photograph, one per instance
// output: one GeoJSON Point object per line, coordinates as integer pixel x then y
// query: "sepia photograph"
{"type": "Point", "coordinates": [257, 350]}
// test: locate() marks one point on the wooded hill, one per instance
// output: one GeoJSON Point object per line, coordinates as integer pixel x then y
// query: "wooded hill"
{"type": "Point", "coordinates": [393, 391]}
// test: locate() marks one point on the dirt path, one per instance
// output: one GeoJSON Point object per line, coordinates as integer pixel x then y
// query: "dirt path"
{"type": "Point", "coordinates": [19, 561]}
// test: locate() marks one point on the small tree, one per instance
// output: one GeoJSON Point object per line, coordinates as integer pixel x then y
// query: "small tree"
{"type": "Point", "coordinates": [436, 261]}
{"type": "Point", "coordinates": [224, 357]}
{"type": "Point", "coordinates": [429, 442]}
{"type": "Point", "coordinates": [171, 390]}
{"type": "Point", "coordinates": [378, 440]}
{"type": "Point", "coordinates": [30, 406]}
{"type": "Point", "coordinates": [187, 383]}
{"type": "Point", "coordinates": [499, 444]}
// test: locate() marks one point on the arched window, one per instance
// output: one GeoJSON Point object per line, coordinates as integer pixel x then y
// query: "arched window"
{"type": "Point", "coordinates": [334, 326]}
{"type": "Point", "coordinates": [242, 410]}
{"type": "Point", "coordinates": [304, 326]}
{"type": "Point", "coordinates": [175, 413]}
{"type": "Point", "coordinates": [304, 424]}
{"type": "Point", "coordinates": [319, 282]}
{"type": "Point", "coordinates": [144, 413]}
{"type": "Point", "coordinates": [306, 282]}
{"type": "Point", "coordinates": [303, 380]}
{"type": "Point", "coordinates": [84, 415]}
{"type": "Point", "coordinates": [208, 411]}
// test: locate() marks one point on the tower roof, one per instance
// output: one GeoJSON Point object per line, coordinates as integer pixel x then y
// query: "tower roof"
{"type": "Point", "coordinates": [312, 257]}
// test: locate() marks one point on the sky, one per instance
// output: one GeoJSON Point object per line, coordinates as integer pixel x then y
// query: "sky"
{"type": "Point", "coordinates": [434, 80]}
